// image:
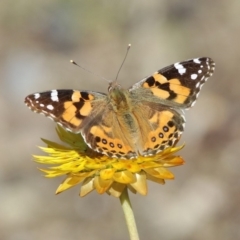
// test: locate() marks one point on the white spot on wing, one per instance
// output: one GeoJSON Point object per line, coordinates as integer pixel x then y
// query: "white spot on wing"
{"type": "Point", "coordinates": [54, 96]}
{"type": "Point", "coordinates": [41, 105]}
{"type": "Point", "coordinates": [199, 71]}
{"type": "Point", "coordinates": [178, 65]}
{"type": "Point", "coordinates": [50, 107]}
{"type": "Point", "coordinates": [37, 95]}
{"type": "Point", "coordinates": [181, 69]}
{"type": "Point", "coordinates": [196, 60]}
{"type": "Point", "coordinates": [194, 76]}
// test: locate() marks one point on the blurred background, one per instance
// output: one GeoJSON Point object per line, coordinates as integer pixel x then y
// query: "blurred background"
{"type": "Point", "coordinates": [38, 38]}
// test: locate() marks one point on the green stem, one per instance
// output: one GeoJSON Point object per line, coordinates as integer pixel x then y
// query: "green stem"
{"type": "Point", "coordinates": [129, 216]}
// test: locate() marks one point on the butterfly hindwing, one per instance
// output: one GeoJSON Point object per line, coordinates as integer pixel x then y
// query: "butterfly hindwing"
{"type": "Point", "coordinates": [160, 129]}
{"type": "Point", "coordinates": [107, 133]}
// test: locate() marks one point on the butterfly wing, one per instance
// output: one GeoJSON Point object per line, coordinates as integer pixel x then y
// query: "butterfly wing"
{"type": "Point", "coordinates": [160, 127]}
{"type": "Point", "coordinates": [89, 113]}
{"type": "Point", "coordinates": [158, 100]}
{"type": "Point", "coordinates": [108, 133]}
{"type": "Point", "coordinates": [177, 85]}
{"type": "Point", "coordinates": [69, 108]}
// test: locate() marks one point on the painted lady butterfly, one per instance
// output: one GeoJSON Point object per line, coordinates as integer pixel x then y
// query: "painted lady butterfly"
{"type": "Point", "coordinates": [142, 120]}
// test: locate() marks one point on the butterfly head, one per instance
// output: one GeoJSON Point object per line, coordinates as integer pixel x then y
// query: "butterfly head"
{"type": "Point", "coordinates": [113, 86]}
{"type": "Point", "coordinates": [118, 96]}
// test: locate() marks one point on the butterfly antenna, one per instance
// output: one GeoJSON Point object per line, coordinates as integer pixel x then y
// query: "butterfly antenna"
{"type": "Point", "coordinates": [73, 62]}
{"type": "Point", "coordinates": [129, 45]}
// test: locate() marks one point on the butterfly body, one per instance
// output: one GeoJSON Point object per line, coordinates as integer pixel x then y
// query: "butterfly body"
{"type": "Point", "coordinates": [126, 123]}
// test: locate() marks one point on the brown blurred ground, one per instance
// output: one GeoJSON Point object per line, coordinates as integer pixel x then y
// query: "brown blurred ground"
{"type": "Point", "coordinates": [37, 40]}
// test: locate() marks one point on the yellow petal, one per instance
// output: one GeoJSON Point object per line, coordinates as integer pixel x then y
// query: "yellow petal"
{"type": "Point", "coordinates": [131, 189]}
{"type": "Point", "coordinates": [116, 189]}
{"type": "Point", "coordinates": [102, 185]}
{"type": "Point", "coordinates": [69, 182]}
{"type": "Point", "coordinates": [94, 165]}
{"type": "Point", "coordinates": [170, 150]}
{"type": "Point", "coordinates": [107, 173]}
{"type": "Point", "coordinates": [87, 186]}
{"type": "Point", "coordinates": [173, 161]}
{"type": "Point", "coordinates": [132, 167]}
{"type": "Point", "coordinates": [140, 185]}
{"type": "Point", "coordinates": [154, 179]}
{"type": "Point", "coordinates": [124, 177]}
{"type": "Point", "coordinates": [160, 173]}
{"type": "Point", "coordinates": [53, 173]}
{"type": "Point", "coordinates": [119, 165]}
{"type": "Point", "coordinates": [150, 165]}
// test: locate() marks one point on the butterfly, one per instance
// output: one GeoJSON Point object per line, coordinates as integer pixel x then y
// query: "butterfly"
{"type": "Point", "coordinates": [125, 123]}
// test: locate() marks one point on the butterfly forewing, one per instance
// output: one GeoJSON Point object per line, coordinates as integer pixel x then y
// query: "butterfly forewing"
{"type": "Point", "coordinates": [178, 85]}
{"type": "Point", "coordinates": [68, 108]}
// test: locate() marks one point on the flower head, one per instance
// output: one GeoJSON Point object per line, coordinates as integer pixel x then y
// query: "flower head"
{"type": "Point", "coordinates": [95, 171]}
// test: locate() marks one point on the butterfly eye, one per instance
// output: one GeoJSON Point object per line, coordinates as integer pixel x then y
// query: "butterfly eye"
{"type": "Point", "coordinates": [113, 85]}
{"type": "Point", "coordinates": [110, 88]}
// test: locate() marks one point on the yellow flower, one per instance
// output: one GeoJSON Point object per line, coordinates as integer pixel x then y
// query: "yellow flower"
{"type": "Point", "coordinates": [95, 171]}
